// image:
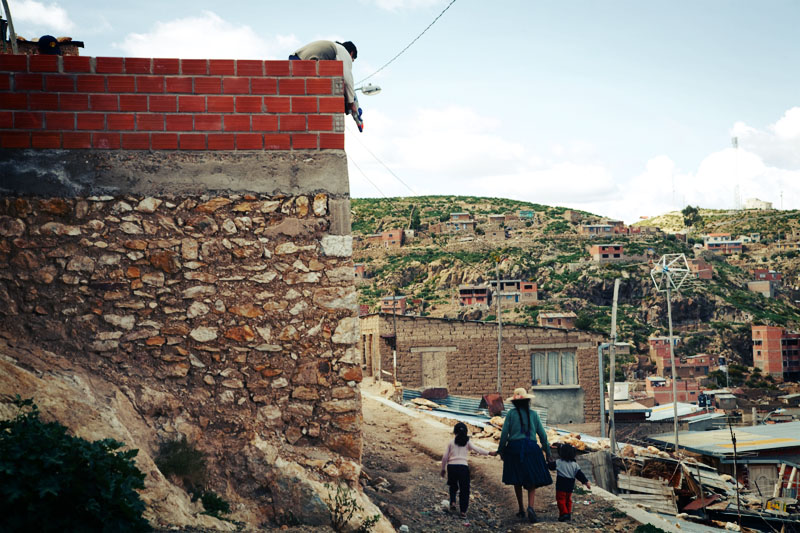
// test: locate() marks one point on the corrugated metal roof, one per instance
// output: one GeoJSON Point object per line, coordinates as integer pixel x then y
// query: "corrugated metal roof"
{"type": "Point", "coordinates": [748, 439]}
{"type": "Point", "coordinates": [666, 411]}
{"type": "Point", "coordinates": [468, 406]}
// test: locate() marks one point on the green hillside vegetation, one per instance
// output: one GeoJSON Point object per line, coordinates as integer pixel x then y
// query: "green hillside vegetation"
{"type": "Point", "coordinates": [712, 315]}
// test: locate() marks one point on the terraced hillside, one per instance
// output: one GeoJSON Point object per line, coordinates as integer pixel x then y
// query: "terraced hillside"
{"type": "Point", "coordinates": [713, 315]}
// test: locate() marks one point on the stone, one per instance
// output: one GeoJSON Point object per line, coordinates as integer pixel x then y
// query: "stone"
{"type": "Point", "coordinates": [289, 333]}
{"type": "Point", "coordinates": [135, 244]}
{"type": "Point", "coordinates": [81, 263]}
{"type": "Point", "coordinates": [343, 392]}
{"type": "Point", "coordinates": [240, 333]}
{"type": "Point", "coordinates": [130, 228]}
{"type": "Point", "coordinates": [271, 372]}
{"type": "Point", "coordinates": [108, 259]}
{"type": "Point", "coordinates": [336, 298]}
{"type": "Point", "coordinates": [11, 227]}
{"type": "Point", "coordinates": [199, 291]}
{"type": "Point", "coordinates": [233, 384]}
{"type": "Point", "coordinates": [292, 294]}
{"type": "Point", "coordinates": [204, 334]}
{"type": "Point", "coordinates": [247, 310]}
{"type": "Point", "coordinates": [298, 308]}
{"type": "Point", "coordinates": [133, 272]}
{"type": "Point", "coordinates": [293, 434]}
{"type": "Point", "coordinates": [165, 260]}
{"type": "Point", "coordinates": [347, 444]}
{"type": "Point", "coordinates": [340, 406]}
{"type": "Point", "coordinates": [337, 245]}
{"type": "Point", "coordinates": [346, 331]}
{"type": "Point", "coordinates": [8, 306]}
{"type": "Point", "coordinates": [197, 309]}
{"type": "Point", "coordinates": [26, 260]}
{"type": "Point", "coordinates": [264, 277]}
{"type": "Point", "coordinates": [229, 227]}
{"type": "Point", "coordinates": [121, 321]}
{"type": "Point", "coordinates": [265, 332]}
{"type": "Point", "coordinates": [155, 279]}
{"type": "Point", "coordinates": [177, 371]}
{"type": "Point", "coordinates": [104, 346]}
{"type": "Point", "coordinates": [347, 422]}
{"type": "Point", "coordinates": [155, 341]}
{"type": "Point", "coordinates": [280, 383]}
{"type": "Point", "coordinates": [148, 205]}
{"type": "Point", "coordinates": [320, 204]}
{"type": "Point", "coordinates": [269, 348]}
{"type": "Point", "coordinates": [208, 380]}
{"type": "Point", "coordinates": [351, 373]}
{"type": "Point", "coordinates": [212, 205]}
{"type": "Point", "coordinates": [45, 275]}
{"type": "Point", "coordinates": [56, 228]}
{"type": "Point", "coordinates": [305, 393]}
{"type": "Point", "coordinates": [202, 277]}
{"type": "Point", "coordinates": [301, 206]}
{"type": "Point", "coordinates": [189, 249]}
{"type": "Point", "coordinates": [55, 206]}
{"type": "Point", "coordinates": [286, 248]}
{"type": "Point", "coordinates": [121, 207]}
{"type": "Point", "coordinates": [343, 274]}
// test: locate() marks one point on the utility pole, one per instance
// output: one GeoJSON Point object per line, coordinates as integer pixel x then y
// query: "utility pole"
{"type": "Point", "coordinates": [499, 330]}
{"type": "Point", "coordinates": [602, 392]}
{"type": "Point", "coordinates": [11, 33]}
{"type": "Point", "coordinates": [674, 373]}
{"type": "Point", "coordinates": [394, 328]}
{"type": "Point", "coordinates": [669, 273]}
{"type": "Point", "coordinates": [612, 350]}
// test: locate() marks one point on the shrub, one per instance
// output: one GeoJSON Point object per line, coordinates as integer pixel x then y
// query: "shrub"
{"type": "Point", "coordinates": [182, 460]}
{"type": "Point", "coordinates": [343, 505]}
{"type": "Point", "coordinates": [52, 481]}
{"type": "Point", "coordinates": [214, 505]}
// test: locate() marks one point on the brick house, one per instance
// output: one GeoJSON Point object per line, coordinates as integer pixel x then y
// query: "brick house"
{"type": "Point", "coordinates": [499, 234]}
{"type": "Point", "coordinates": [496, 220]}
{"type": "Point", "coordinates": [700, 268]}
{"type": "Point", "coordinates": [660, 390]}
{"type": "Point", "coordinates": [394, 304]}
{"type": "Point", "coordinates": [557, 320]}
{"type": "Point", "coordinates": [360, 271]}
{"type": "Point", "coordinates": [763, 287]}
{"type": "Point", "coordinates": [686, 367]}
{"type": "Point", "coordinates": [764, 274]}
{"type": "Point", "coordinates": [659, 350]}
{"type": "Point", "coordinates": [607, 253]}
{"type": "Point", "coordinates": [479, 295]}
{"type": "Point", "coordinates": [776, 352]}
{"type": "Point", "coordinates": [528, 292]}
{"type": "Point", "coordinates": [559, 367]}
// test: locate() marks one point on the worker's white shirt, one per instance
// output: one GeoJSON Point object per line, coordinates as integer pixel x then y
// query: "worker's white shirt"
{"type": "Point", "coordinates": [347, 63]}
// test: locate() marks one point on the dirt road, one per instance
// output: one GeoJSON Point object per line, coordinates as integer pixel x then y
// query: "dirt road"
{"type": "Point", "coordinates": [402, 457]}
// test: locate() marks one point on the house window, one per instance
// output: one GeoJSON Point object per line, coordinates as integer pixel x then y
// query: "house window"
{"type": "Point", "coordinates": [554, 368]}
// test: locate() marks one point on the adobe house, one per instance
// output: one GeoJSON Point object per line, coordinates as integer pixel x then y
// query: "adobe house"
{"type": "Point", "coordinates": [480, 295]}
{"type": "Point", "coordinates": [557, 320]}
{"type": "Point", "coordinates": [180, 229]}
{"type": "Point", "coordinates": [559, 367]}
{"type": "Point", "coordinates": [607, 253]}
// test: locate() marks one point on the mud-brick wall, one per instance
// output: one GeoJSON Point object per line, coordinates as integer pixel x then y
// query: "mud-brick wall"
{"type": "Point", "coordinates": [471, 353]}
{"type": "Point", "coordinates": [181, 228]}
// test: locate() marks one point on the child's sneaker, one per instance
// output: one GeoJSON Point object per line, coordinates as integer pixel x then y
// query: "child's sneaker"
{"type": "Point", "coordinates": [464, 518]}
{"type": "Point", "coordinates": [452, 507]}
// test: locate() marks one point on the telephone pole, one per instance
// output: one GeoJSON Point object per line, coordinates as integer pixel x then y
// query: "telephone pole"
{"type": "Point", "coordinates": [499, 330]}
{"type": "Point", "coordinates": [612, 350]}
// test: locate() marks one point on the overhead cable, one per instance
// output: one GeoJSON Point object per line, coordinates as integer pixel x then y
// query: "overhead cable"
{"type": "Point", "coordinates": [350, 159]}
{"type": "Point", "coordinates": [407, 186]}
{"type": "Point", "coordinates": [409, 44]}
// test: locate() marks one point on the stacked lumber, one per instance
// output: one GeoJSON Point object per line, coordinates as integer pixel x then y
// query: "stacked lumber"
{"type": "Point", "coordinates": [653, 494]}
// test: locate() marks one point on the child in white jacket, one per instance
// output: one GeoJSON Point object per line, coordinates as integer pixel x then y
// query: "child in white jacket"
{"type": "Point", "coordinates": [454, 462]}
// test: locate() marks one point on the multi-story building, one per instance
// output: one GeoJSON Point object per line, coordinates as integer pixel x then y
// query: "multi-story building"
{"type": "Point", "coordinates": [394, 304]}
{"type": "Point", "coordinates": [660, 390]}
{"type": "Point", "coordinates": [606, 253]}
{"type": "Point", "coordinates": [777, 352]}
{"type": "Point", "coordinates": [516, 291]}
{"type": "Point", "coordinates": [764, 274]}
{"type": "Point", "coordinates": [528, 292]}
{"type": "Point", "coordinates": [722, 243]}
{"type": "Point", "coordinates": [557, 320]}
{"type": "Point", "coordinates": [659, 349]}
{"type": "Point", "coordinates": [479, 295]}
{"type": "Point", "coordinates": [595, 230]}
{"type": "Point", "coordinates": [700, 268]}
{"type": "Point", "coordinates": [755, 203]}
{"type": "Point", "coordinates": [496, 220]}
{"type": "Point", "coordinates": [764, 288]}
{"type": "Point", "coordinates": [694, 366]}
{"type": "Point", "coordinates": [388, 239]}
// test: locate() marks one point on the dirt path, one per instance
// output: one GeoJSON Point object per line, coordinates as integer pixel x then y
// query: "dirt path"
{"type": "Point", "coordinates": [402, 456]}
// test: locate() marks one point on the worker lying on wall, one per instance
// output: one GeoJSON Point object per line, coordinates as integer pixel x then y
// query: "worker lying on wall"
{"type": "Point", "coordinates": [345, 52]}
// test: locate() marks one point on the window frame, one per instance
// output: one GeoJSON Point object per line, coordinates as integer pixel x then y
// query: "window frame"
{"type": "Point", "coordinates": [560, 353]}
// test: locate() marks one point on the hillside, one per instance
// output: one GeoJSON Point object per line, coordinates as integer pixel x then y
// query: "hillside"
{"type": "Point", "coordinates": [714, 315]}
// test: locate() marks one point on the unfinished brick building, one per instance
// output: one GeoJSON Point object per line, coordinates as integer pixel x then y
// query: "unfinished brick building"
{"type": "Point", "coordinates": [559, 366]}
{"type": "Point", "coordinates": [180, 229]}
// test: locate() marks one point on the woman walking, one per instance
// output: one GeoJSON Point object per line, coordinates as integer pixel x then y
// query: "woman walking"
{"type": "Point", "coordinates": [524, 466]}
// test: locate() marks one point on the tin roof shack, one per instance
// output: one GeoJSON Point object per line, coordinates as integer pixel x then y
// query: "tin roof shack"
{"type": "Point", "coordinates": [559, 367]}
{"type": "Point", "coordinates": [764, 447]}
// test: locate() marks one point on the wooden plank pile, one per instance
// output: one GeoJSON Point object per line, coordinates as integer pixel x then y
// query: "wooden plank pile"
{"type": "Point", "coordinates": [654, 494]}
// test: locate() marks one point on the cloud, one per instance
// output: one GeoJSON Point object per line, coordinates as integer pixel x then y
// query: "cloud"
{"type": "Point", "coordinates": [396, 5]}
{"type": "Point", "coordinates": [206, 36]}
{"type": "Point", "coordinates": [30, 15]}
{"type": "Point", "coordinates": [456, 150]}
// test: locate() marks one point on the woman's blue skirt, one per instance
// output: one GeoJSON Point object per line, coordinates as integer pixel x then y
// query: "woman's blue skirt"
{"type": "Point", "coordinates": [524, 464]}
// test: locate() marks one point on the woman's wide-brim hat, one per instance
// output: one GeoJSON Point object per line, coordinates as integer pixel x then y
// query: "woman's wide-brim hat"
{"type": "Point", "coordinates": [520, 394]}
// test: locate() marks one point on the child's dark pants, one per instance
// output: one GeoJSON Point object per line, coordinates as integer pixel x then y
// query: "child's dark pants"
{"type": "Point", "coordinates": [564, 501]}
{"type": "Point", "coordinates": [458, 479]}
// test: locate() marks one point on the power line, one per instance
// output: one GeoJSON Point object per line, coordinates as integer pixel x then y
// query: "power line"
{"type": "Point", "coordinates": [366, 178]}
{"type": "Point", "coordinates": [407, 186]}
{"type": "Point", "coordinates": [409, 44]}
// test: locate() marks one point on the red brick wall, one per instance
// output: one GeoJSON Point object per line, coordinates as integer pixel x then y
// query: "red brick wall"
{"type": "Point", "coordinates": [169, 104]}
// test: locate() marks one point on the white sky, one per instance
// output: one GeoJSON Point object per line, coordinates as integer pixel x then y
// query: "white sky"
{"type": "Point", "coordinates": [604, 106]}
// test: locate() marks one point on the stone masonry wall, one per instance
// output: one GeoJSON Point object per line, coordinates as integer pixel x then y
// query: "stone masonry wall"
{"type": "Point", "coordinates": [214, 287]}
{"type": "Point", "coordinates": [472, 364]}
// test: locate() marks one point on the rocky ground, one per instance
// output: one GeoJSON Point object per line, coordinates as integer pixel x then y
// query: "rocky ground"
{"type": "Point", "coordinates": [402, 457]}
